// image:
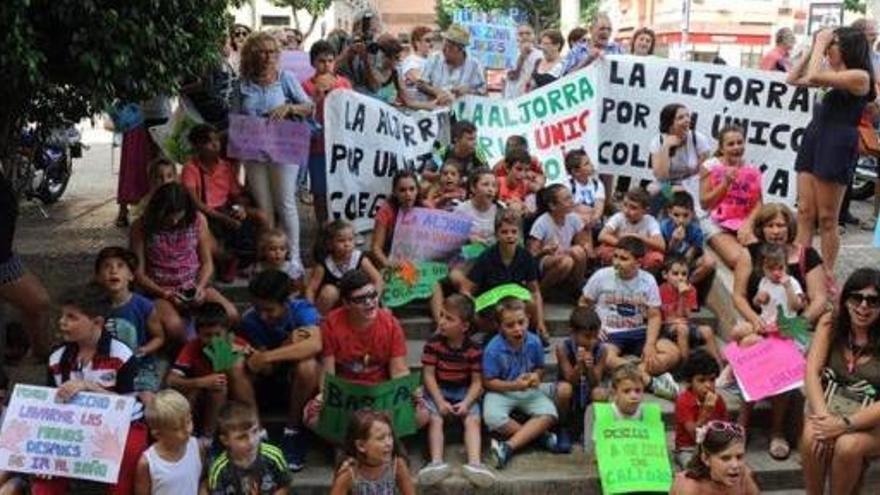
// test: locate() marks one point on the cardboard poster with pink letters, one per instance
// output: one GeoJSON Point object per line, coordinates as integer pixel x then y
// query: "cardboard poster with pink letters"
{"type": "Point", "coordinates": [83, 438]}
{"type": "Point", "coordinates": [767, 368]}
{"type": "Point", "coordinates": [262, 140]}
{"type": "Point", "coordinates": [424, 234]}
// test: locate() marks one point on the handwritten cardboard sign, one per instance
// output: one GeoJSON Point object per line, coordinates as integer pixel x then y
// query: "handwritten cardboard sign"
{"type": "Point", "coordinates": [400, 289]}
{"type": "Point", "coordinates": [83, 438]}
{"type": "Point", "coordinates": [297, 62]}
{"type": "Point", "coordinates": [342, 398]}
{"type": "Point", "coordinates": [631, 453]}
{"type": "Point", "coordinates": [260, 139]}
{"type": "Point", "coordinates": [770, 367]}
{"type": "Point", "coordinates": [422, 234]}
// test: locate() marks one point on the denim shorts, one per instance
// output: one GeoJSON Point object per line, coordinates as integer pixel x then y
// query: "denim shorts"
{"type": "Point", "coordinates": [452, 395]}
{"type": "Point", "coordinates": [533, 402]}
{"type": "Point", "coordinates": [630, 342]}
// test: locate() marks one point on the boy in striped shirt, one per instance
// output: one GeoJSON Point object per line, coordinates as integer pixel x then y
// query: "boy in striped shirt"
{"type": "Point", "coordinates": [452, 379]}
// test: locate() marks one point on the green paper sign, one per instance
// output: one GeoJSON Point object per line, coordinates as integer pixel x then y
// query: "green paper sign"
{"type": "Point", "coordinates": [221, 354]}
{"type": "Point", "coordinates": [797, 328]}
{"type": "Point", "coordinates": [492, 296]}
{"type": "Point", "coordinates": [632, 454]}
{"type": "Point", "coordinates": [399, 291]}
{"type": "Point", "coordinates": [342, 398]}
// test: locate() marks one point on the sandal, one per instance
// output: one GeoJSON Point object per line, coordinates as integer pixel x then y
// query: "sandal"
{"type": "Point", "coordinates": [779, 449]}
{"type": "Point", "coordinates": [868, 225]}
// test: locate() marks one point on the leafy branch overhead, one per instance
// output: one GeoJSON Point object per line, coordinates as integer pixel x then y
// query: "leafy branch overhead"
{"type": "Point", "coordinates": [314, 8]}
{"type": "Point", "coordinates": [65, 60]}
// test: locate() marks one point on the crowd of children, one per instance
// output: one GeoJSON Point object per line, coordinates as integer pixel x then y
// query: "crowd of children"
{"type": "Point", "coordinates": [199, 366]}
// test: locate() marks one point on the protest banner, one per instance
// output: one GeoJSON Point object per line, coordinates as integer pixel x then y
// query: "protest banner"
{"type": "Point", "coordinates": [297, 62]}
{"type": "Point", "coordinates": [401, 288]}
{"type": "Point", "coordinates": [554, 118]}
{"type": "Point", "coordinates": [423, 234]}
{"type": "Point", "coordinates": [261, 139]}
{"type": "Point", "coordinates": [631, 453]}
{"type": "Point", "coordinates": [83, 438]}
{"type": "Point", "coordinates": [612, 110]}
{"type": "Point", "coordinates": [367, 142]}
{"type": "Point", "coordinates": [493, 37]}
{"type": "Point", "coordinates": [767, 368]}
{"type": "Point", "coordinates": [342, 398]}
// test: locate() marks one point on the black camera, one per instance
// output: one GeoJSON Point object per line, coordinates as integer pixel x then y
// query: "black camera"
{"type": "Point", "coordinates": [367, 33]}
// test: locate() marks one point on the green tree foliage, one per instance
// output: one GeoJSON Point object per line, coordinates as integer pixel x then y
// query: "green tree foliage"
{"type": "Point", "coordinates": [854, 5]}
{"type": "Point", "coordinates": [314, 8]}
{"type": "Point", "coordinates": [64, 60]}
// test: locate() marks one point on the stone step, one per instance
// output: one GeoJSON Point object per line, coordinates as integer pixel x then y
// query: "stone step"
{"type": "Point", "coordinates": [535, 471]}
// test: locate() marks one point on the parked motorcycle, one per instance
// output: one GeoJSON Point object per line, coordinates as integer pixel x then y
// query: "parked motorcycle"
{"type": "Point", "coordinates": [44, 163]}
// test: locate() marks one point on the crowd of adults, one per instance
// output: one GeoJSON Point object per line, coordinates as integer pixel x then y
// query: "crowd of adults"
{"type": "Point", "coordinates": [187, 229]}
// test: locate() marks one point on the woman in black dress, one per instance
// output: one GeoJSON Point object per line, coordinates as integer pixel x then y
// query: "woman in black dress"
{"type": "Point", "coordinates": [840, 63]}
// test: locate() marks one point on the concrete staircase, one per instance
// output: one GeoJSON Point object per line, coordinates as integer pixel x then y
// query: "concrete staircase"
{"type": "Point", "coordinates": [535, 471]}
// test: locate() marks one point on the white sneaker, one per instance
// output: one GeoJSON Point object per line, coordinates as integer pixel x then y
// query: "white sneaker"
{"type": "Point", "coordinates": [665, 386]}
{"type": "Point", "coordinates": [478, 475]}
{"type": "Point", "coordinates": [433, 473]}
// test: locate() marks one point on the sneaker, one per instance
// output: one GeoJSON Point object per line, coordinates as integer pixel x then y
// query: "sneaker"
{"type": "Point", "coordinates": [563, 441]}
{"type": "Point", "coordinates": [665, 386]}
{"type": "Point", "coordinates": [500, 453]}
{"type": "Point", "coordinates": [295, 445]}
{"type": "Point", "coordinates": [433, 473]}
{"type": "Point", "coordinates": [478, 475]}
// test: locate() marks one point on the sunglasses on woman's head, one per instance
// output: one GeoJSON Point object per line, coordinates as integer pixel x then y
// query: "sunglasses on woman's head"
{"type": "Point", "coordinates": [856, 299]}
{"type": "Point", "coordinates": [726, 427]}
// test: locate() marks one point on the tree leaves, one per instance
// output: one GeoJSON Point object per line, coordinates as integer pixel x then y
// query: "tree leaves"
{"type": "Point", "coordinates": [64, 60]}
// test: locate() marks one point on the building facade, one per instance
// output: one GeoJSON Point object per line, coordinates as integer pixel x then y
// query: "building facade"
{"type": "Point", "coordinates": [738, 32]}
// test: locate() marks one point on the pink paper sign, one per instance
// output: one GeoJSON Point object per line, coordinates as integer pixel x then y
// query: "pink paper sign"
{"type": "Point", "coordinates": [770, 367]}
{"type": "Point", "coordinates": [298, 63]}
{"type": "Point", "coordinates": [423, 234]}
{"type": "Point", "coordinates": [260, 139]}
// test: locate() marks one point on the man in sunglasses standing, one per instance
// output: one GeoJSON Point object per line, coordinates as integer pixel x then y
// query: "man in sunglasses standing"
{"type": "Point", "coordinates": [361, 342]}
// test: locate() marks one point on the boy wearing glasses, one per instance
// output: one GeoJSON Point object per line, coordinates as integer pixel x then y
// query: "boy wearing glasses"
{"type": "Point", "coordinates": [361, 342]}
{"type": "Point", "coordinates": [284, 334]}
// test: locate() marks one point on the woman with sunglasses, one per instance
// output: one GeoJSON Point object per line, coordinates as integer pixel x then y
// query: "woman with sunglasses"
{"type": "Point", "coordinates": [718, 467]}
{"type": "Point", "coordinates": [840, 64]}
{"type": "Point", "coordinates": [843, 375]}
{"type": "Point", "coordinates": [237, 36]}
{"type": "Point", "coordinates": [266, 90]}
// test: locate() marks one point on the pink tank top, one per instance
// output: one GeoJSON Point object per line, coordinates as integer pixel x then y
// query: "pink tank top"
{"type": "Point", "coordinates": [742, 194]}
{"type": "Point", "coordinates": [173, 257]}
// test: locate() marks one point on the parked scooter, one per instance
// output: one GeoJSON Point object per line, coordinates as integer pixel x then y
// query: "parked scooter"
{"type": "Point", "coordinates": [44, 163]}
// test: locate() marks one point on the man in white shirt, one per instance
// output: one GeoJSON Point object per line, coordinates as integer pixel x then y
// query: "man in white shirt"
{"type": "Point", "coordinates": [517, 80]}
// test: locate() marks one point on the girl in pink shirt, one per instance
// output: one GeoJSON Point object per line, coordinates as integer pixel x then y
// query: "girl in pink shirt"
{"type": "Point", "coordinates": [731, 191]}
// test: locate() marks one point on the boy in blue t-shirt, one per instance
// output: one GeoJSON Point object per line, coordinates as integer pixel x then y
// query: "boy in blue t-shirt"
{"type": "Point", "coordinates": [133, 319]}
{"type": "Point", "coordinates": [284, 331]}
{"type": "Point", "coordinates": [684, 237]}
{"type": "Point", "coordinates": [513, 363]}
